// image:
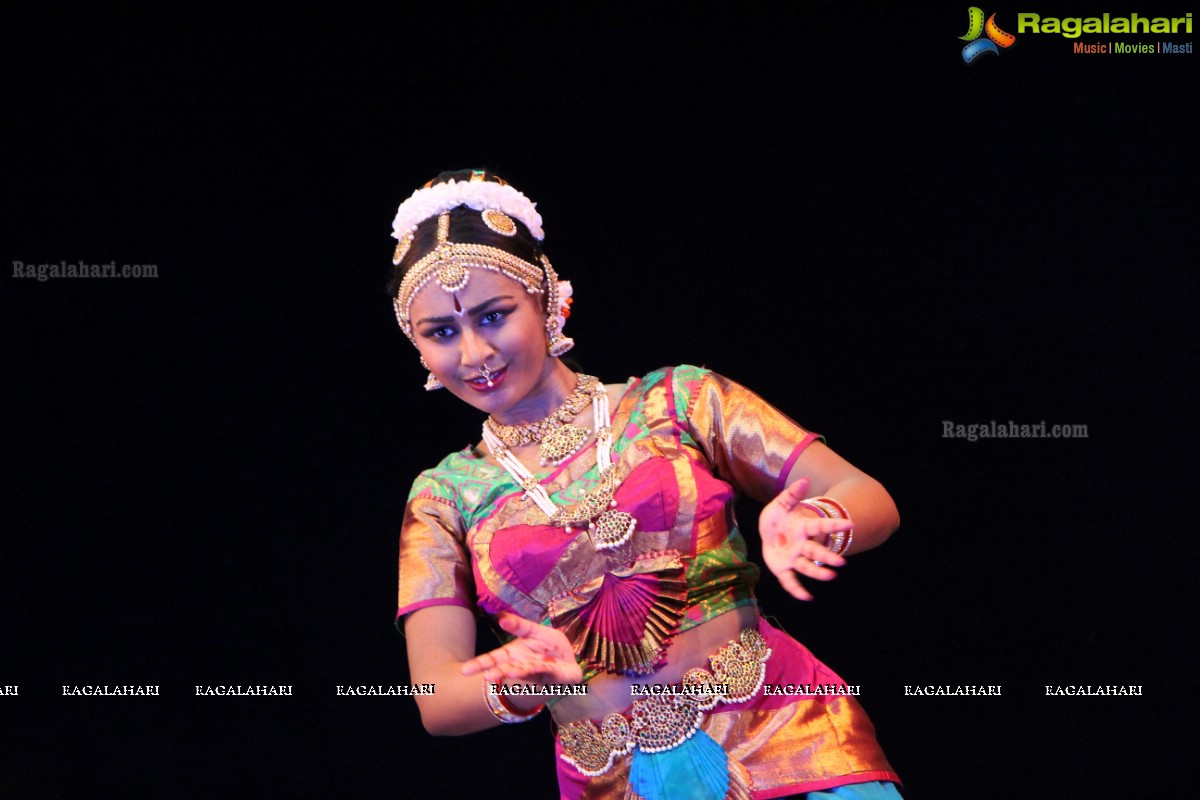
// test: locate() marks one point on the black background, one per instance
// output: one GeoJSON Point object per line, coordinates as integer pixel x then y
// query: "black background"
{"type": "Point", "coordinates": [205, 472]}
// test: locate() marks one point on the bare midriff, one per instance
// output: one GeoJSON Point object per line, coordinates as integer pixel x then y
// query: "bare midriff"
{"type": "Point", "coordinates": [608, 692]}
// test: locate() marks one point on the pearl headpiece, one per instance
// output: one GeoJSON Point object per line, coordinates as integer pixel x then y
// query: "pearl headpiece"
{"type": "Point", "coordinates": [480, 195]}
{"type": "Point", "coordinates": [449, 263]}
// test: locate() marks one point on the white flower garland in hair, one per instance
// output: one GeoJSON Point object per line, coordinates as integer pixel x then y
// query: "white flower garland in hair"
{"type": "Point", "coordinates": [479, 195]}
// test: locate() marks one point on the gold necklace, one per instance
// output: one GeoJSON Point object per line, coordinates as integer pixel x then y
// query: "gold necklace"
{"type": "Point", "coordinates": [594, 512]}
{"type": "Point", "coordinates": [557, 437]}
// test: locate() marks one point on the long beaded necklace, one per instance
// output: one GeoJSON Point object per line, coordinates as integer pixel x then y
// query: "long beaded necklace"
{"type": "Point", "coordinates": [596, 510]}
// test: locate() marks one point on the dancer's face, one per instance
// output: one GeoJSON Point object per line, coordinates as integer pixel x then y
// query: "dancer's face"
{"type": "Point", "coordinates": [492, 322]}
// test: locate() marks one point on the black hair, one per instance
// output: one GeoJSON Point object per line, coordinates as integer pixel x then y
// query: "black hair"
{"type": "Point", "coordinates": [466, 226]}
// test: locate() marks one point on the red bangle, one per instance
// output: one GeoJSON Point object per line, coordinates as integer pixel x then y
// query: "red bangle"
{"type": "Point", "coordinates": [838, 542]}
{"type": "Point", "coordinates": [503, 710]}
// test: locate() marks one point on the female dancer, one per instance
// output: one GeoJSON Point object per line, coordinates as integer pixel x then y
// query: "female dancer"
{"type": "Point", "coordinates": [594, 523]}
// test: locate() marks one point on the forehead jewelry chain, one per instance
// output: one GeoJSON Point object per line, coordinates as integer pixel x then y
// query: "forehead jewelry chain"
{"type": "Point", "coordinates": [596, 511]}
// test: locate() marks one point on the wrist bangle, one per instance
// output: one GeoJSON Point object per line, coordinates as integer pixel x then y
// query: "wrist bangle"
{"type": "Point", "coordinates": [838, 541]}
{"type": "Point", "coordinates": [839, 509]}
{"type": "Point", "coordinates": [500, 708]}
{"type": "Point", "coordinates": [813, 507]}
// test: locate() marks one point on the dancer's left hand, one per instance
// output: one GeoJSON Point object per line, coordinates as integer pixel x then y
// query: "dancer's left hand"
{"type": "Point", "coordinates": [793, 537]}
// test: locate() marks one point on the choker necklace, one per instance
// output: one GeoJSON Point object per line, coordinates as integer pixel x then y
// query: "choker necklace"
{"type": "Point", "coordinates": [596, 510]}
{"type": "Point", "coordinates": [557, 437]}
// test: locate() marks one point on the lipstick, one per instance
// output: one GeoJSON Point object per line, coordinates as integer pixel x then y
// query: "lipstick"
{"type": "Point", "coordinates": [488, 381]}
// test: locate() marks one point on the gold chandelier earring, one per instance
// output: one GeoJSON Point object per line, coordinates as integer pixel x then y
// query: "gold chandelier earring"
{"type": "Point", "coordinates": [432, 384]}
{"type": "Point", "coordinates": [558, 309]}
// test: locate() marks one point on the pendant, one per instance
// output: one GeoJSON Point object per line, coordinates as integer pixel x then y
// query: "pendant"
{"type": "Point", "coordinates": [612, 529]}
{"type": "Point", "coordinates": [560, 443]}
{"type": "Point", "coordinates": [595, 502]}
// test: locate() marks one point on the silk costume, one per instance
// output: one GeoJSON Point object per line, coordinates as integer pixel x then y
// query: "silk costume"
{"type": "Point", "coordinates": [684, 440]}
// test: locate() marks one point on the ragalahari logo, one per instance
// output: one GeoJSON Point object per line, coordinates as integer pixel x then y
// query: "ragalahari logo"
{"type": "Point", "coordinates": [996, 38]}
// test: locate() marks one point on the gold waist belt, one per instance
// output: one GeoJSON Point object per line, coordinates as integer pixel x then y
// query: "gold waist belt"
{"type": "Point", "coordinates": [662, 722]}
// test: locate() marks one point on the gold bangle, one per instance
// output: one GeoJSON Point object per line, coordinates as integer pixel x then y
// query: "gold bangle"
{"type": "Point", "coordinates": [841, 509]}
{"type": "Point", "coordinates": [838, 541]}
{"type": "Point", "coordinates": [501, 710]}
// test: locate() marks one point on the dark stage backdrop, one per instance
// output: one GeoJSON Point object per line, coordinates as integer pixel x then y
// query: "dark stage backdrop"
{"type": "Point", "coordinates": [205, 470]}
